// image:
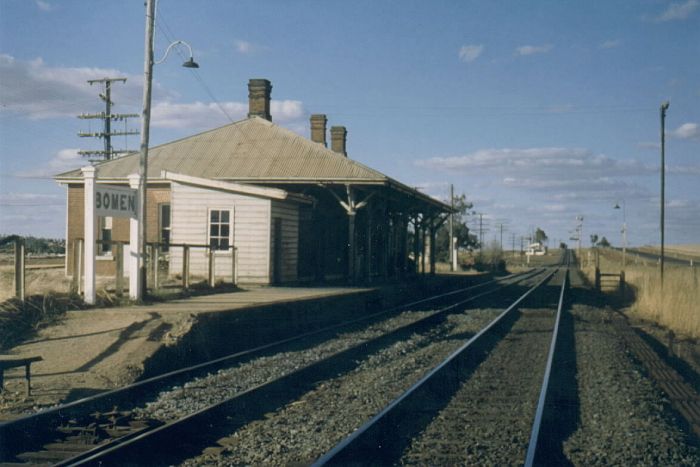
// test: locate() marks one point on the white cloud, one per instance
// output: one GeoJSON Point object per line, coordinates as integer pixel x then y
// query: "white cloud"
{"type": "Point", "coordinates": [43, 6]}
{"type": "Point", "coordinates": [469, 53]}
{"type": "Point", "coordinates": [611, 44]}
{"type": "Point", "coordinates": [687, 131]}
{"type": "Point", "coordinates": [648, 145]}
{"type": "Point", "coordinates": [62, 161]}
{"type": "Point", "coordinates": [36, 90]}
{"type": "Point", "coordinates": [199, 115]}
{"type": "Point", "coordinates": [246, 48]}
{"type": "Point", "coordinates": [679, 11]}
{"type": "Point", "coordinates": [30, 199]}
{"type": "Point", "coordinates": [524, 50]}
{"type": "Point", "coordinates": [536, 161]}
{"type": "Point", "coordinates": [243, 47]}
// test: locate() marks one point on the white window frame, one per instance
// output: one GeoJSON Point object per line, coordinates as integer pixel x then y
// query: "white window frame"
{"type": "Point", "coordinates": [230, 228]}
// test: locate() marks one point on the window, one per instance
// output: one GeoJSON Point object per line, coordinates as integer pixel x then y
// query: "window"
{"type": "Point", "coordinates": [104, 234]}
{"type": "Point", "coordinates": [219, 229]}
{"type": "Point", "coordinates": [164, 223]}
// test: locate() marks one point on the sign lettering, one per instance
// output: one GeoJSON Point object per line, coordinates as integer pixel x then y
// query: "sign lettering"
{"type": "Point", "coordinates": [116, 201]}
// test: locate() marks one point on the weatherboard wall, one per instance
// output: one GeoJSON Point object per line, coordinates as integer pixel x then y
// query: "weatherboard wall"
{"type": "Point", "coordinates": [190, 208]}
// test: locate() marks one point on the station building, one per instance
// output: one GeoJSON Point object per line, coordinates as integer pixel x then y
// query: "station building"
{"type": "Point", "coordinates": [293, 209]}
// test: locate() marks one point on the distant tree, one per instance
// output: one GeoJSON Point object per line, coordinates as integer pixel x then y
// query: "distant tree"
{"type": "Point", "coordinates": [465, 239]}
{"type": "Point", "coordinates": [34, 245]}
{"type": "Point", "coordinates": [603, 242]}
{"type": "Point", "coordinates": [594, 239]}
{"type": "Point", "coordinates": [562, 245]}
{"type": "Point", "coordinates": [540, 236]}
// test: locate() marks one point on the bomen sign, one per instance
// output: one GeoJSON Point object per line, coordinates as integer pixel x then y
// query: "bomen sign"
{"type": "Point", "coordinates": [116, 201]}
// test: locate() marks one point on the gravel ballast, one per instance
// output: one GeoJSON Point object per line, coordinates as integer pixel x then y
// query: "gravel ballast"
{"type": "Point", "coordinates": [306, 428]}
{"type": "Point", "coordinates": [624, 418]}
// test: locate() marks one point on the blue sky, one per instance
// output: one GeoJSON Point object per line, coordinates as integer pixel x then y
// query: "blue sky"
{"type": "Point", "coordinates": [538, 111]}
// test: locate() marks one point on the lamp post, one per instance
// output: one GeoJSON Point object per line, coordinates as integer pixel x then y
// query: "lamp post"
{"type": "Point", "coordinates": [145, 128]}
{"type": "Point", "coordinates": [663, 109]}
{"type": "Point", "coordinates": [624, 231]}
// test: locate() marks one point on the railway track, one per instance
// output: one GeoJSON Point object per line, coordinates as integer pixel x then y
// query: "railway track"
{"type": "Point", "coordinates": [103, 428]}
{"type": "Point", "coordinates": [486, 403]}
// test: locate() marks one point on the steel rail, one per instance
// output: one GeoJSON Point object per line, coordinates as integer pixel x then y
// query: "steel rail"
{"type": "Point", "coordinates": [124, 451]}
{"type": "Point", "coordinates": [25, 434]}
{"type": "Point", "coordinates": [532, 450]}
{"type": "Point", "coordinates": [370, 438]}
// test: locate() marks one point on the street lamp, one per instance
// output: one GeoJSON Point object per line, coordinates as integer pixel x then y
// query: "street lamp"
{"type": "Point", "coordinates": [145, 127]}
{"type": "Point", "coordinates": [624, 231]}
{"type": "Point", "coordinates": [663, 109]}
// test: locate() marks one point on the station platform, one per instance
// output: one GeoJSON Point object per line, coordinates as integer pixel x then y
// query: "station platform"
{"type": "Point", "coordinates": [89, 351]}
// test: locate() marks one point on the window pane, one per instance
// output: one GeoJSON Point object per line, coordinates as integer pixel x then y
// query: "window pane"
{"type": "Point", "coordinates": [223, 245]}
{"type": "Point", "coordinates": [214, 230]}
{"type": "Point", "coordinates": [224, 230]}
{"type": "Point", "coordinates": [165, 216]}
{"type": "Point", "coordinates": [106, 235]}
{"type": "Point", "coordinates": [213, 243]}
{"type": "Point", "coordinates": [224, 216]}
{"type": "Point", "coordinates": [215, 216]}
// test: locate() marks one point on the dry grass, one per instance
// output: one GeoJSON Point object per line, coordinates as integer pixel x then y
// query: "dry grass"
{"type": "Point", "coordinates": [676, 307]}
{"type": "Point", "coordinates": [686, 252]}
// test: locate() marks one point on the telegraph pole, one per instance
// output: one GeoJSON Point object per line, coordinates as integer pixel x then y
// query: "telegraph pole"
{"type": "Point", "coordinates": [481, 231]}
{"type": "Point", "coordinates": [664, 108]}
{"type": "Point", "coordinates": [107, 117]}
{"type": "Point", "coordinates": [452, 215]}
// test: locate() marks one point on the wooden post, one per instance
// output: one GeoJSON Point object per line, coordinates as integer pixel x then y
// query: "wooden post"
{"type": "Point", "coordinates": [597, 278]}
{"type": "Point", "coordinates": [416, 244]}
{"type": "Point", "coordinates": [432, 248]}
{"type": "Point", "coordinates": [120, 270]}
{"type": "Point", "coordinates": [20, 269]}
{"type": "Point", "coordinates": [186, 267]}
{"type": "Point", "coordinates": [212, 272]}
{"type": "Point", "coordinates": [368, 267]}
{"type": "Point", "coordinates": [90, 219]}
{"type": "Point", "coordinates": [156, 254]}
{"type": "Point", "coordinates": [351, 246]}
{"type": "Point", "coordinates": [622, 283]}
{"type": "Point", "coordinates": [135, 284]}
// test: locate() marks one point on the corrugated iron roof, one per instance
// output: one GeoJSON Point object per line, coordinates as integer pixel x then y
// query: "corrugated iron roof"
{"type": "Point", "coordinates": [251, 149]}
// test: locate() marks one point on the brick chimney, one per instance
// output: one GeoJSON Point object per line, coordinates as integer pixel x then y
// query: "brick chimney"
{"type": "Point", "coordinates": [259, 91]}
{"type": "Point", "coordinates": [318, 129]}
{"type": "Point", "coordinates": [338, 139]}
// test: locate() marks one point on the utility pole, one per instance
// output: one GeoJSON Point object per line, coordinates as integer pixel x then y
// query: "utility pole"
{"type": "Point", "coordinates": [501, 229]}
{"type": "Point", "coordinates": [513, 239]}
{"type": "Point", "coordinates": [107, 117]}
{"type": "Point", "coordinates": [481, 231]}
{"type": "Point", "coordinates": [664, 108]}
{"type": "Point", "coordinates": [452, 215]}
{"type": "Point", "coordinates": [579, 230]}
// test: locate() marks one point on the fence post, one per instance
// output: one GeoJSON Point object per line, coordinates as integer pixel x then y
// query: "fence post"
{"type": "Point", "coordinates": [211, 267]}
{"type": "Point", "coordinates": [186, 267]}
{"type": "Point", "coordinates": [597, 279]}
{"type": "Point", "coordinates": [19, 269]}
{"type": "Point", "coordinates": [120, 270]}
{"type": "Point", "coordinates": [622, 283]}
{"type": "Point", "coordinates": [156, 253]}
